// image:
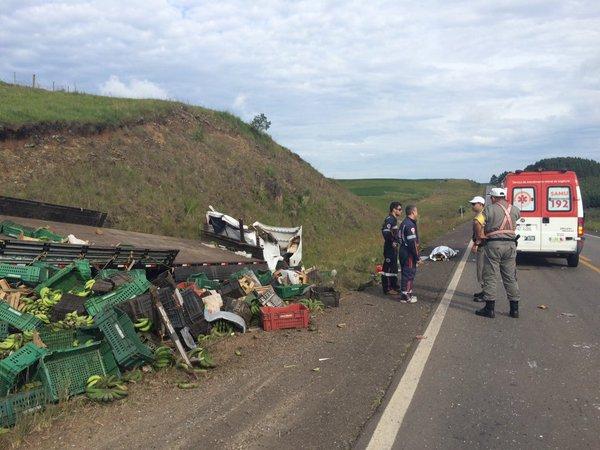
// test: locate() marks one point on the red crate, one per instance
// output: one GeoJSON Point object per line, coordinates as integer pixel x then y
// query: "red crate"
{"type": "Point", "coordinates": [278, 318]}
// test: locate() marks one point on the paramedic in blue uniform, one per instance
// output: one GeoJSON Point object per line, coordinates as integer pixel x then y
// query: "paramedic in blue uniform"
{"type": "Point", "coordinates": [389, 230]}
{"type": "Point", "coordinates": [409, 253]}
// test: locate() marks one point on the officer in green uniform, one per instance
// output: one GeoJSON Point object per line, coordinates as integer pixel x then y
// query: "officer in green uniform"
{"type": "Point", "coordinates": [500, 253]}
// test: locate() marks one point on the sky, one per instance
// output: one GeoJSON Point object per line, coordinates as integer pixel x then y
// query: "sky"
{"type": "Point", "coordinates": [377, 89]}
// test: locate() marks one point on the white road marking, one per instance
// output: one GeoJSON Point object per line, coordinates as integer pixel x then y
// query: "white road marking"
{"type": "Point", "coordinates": [389, 424]}
{"type": "Point", "coordinates": [591, 235]}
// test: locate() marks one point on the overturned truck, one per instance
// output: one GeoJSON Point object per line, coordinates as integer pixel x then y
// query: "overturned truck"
{"type": "Point", "coordinates": [280, 247]}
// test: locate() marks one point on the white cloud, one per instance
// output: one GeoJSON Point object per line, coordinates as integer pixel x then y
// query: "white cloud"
{"type": "Point", "coordinates": [404, 82]}
{"type": "Point", "coordinates": [135, 89]}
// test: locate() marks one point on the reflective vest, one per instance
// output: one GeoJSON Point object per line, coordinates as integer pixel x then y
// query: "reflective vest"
{"type": "Point", "coordinates": [507, 226]}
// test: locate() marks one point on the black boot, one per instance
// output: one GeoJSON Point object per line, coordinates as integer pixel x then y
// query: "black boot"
{"type": "Point", "coordinates": [514, 309]}
{"type": "Point", "coordinates": [487, 310]}
{"type": "Point", "coordinates": [478, 297]}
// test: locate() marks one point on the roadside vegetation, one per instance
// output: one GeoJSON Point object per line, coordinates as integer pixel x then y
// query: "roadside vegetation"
{"type": "Point", "coordinates": [439, 201]}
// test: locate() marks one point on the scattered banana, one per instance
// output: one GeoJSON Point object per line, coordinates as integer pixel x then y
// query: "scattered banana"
{"type": "Point", "coordinates": [163, 357]}
{"type": "Point", "coordinates": [144, 324]}
{"type": "Point", "coordinates": [74, 320]}
{"type": "Point", "coordinates": [105, 389]}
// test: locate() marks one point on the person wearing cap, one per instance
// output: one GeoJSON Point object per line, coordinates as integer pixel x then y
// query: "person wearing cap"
{"type": "Point", "coordinates": [500, 253]}
{"type": "Point", "coordinates": [409, 253]}
{"type": "Point", "coordinates": [477, 204]}
{"type": "Point", "coordinates": [389, 230]}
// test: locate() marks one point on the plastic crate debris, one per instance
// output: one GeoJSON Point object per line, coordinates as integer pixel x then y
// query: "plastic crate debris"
{"type": "Point", "coordinates": [12, 407]}
{"type": "Point", "coordinates": [68, 303]}
{"type": "Point", "coordinates": [192, 304]}
{"type": "Point", "coordinates": [264, 276]}
{"type": "Point", "coordinates": [68, 277]}
{"type": "Point", "coordinates": [291, 290]}
{"type": "Point", "coordinates": [17, 362]}
{"type": "Point", "coordinates": [267, 297]}
{"type": "Point", "coordinates": [327, 295]}
{"type": "Point", "coordinates": [27, 274]}
{"type": "Point", "coordinates": [95, 305]}
{"type": "Point", "coordinates": [140, 307]}
{"type": "Point", "coordinates": [20, 320]}
{"type": "Point", "coordinates": [172, 307]}
{"type": "Point", "coordinates": [202, 281]}
{"type": "Point", "coordinates": [120, 333]}
{"type": "Point", "coordinates": [3, 330]}
{"type": "Point", "coordinates": [64, 373]}
{"type": "Point", "coordinates": [291, 316]}
{"type": "Point", "coordinates": [67, 339]}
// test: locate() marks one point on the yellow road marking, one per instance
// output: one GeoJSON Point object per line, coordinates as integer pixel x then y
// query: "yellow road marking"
{"type": "Point", "coordinates": [585, 258]}
{"type": "Point", "coordinates": [588, 264]}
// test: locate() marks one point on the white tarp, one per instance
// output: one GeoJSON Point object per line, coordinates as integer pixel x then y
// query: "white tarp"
{"type": "Point", "coordinates": [442, 253]}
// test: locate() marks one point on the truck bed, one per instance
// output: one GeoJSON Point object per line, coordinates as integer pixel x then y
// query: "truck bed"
{"type": "Point", "coordinates": [191, 252]}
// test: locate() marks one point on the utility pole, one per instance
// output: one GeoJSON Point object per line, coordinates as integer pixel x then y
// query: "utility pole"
{"type": "Point", "coordinates": [33, 81]}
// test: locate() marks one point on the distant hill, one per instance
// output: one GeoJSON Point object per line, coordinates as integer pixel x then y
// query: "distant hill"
{"type": "Point", "coordinates": [587, 170]}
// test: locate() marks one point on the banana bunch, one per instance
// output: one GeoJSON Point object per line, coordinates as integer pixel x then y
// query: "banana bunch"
{"type": "Point", "coordinates": [202, 357]}
{"type": "Point", "coordinates": [222, 327]}
{"type": "Point", "coordinates": [144, 324]}
{"type": "Point", "coordinates": [163, 357]}
{"type": "Point", "coordinates": [12, 342]}
{"type": "Point", "coordinates": [133, 376]}
{"type": "Point", "coordinates": [105, 389]}
{"type": "Point", "coordinates": [85, 291]}
{"type": "Point", "coordinates": [74, 320]}
{"type": "Point", "coordinates": [49, 298]}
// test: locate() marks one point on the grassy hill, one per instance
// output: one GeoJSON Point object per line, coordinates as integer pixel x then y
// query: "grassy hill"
{"type": "Point", "coordinates": [155, 166]}
{"type": "Point", "coordinates": [438, 200]}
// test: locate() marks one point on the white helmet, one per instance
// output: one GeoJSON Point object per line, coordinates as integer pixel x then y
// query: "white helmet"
{"type": "Point", "coordinates": [498, 192]}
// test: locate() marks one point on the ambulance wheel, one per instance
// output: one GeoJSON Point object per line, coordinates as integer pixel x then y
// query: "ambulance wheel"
{"type": "Point", "coordinates": [573, 260]}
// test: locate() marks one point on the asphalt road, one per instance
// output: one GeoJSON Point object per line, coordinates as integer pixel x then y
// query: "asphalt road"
{"type": "Point", "coordinates": [532, 382]}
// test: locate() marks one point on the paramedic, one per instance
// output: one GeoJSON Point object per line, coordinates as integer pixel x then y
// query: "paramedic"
{"type": "Point", "coordinates": [409, 253]}
{"type": "Point", "coordinates": [389, 230]}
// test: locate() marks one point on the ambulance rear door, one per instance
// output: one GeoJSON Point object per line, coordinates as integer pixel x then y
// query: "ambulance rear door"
{"type": "Point", "coordinates": [559, 218]}
{"type": "Point", "coordinates": [523, 192]}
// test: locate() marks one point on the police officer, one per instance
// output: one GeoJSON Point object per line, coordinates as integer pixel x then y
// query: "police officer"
{"type": "Point", "coordinates": [389, 230]}
{"type": "Point", "coordinates": [477, 205]}
{"type": "Point", "coordinates": [409, 253]}
{"type": "Point", "coordinates": [500, 253]}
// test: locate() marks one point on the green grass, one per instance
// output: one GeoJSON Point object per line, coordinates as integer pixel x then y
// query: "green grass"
{"type": "Point", "coordinates": [21, 105]}
{"type": "Point", "coordinates": [592, 220]}
{"type": "Point", "coordinates": [438, 201]}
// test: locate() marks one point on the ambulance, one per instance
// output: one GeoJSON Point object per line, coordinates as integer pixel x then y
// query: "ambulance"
{"type": "Point", "coordinates": [551, 222]}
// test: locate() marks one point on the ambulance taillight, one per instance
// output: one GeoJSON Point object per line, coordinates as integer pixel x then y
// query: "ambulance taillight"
{"type": "Point", "coordinates": [580, 223]}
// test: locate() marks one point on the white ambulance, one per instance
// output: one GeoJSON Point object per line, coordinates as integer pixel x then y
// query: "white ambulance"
{"type": "Point", "coordinates": [551, 221]}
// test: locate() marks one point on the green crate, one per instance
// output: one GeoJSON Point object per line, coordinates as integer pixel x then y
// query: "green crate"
{"type": "Point", "coordinates": [202, 281]}
{"type": "Point", "coordinates": [292, 290]}
{"type": "Point", "coordinates": [264, 276]}
{"type": "Point", "coordinates": [3, 330]}
{"type": "Point", "coordinates": [27, 274]}
{"type": "Point", "coordinates": [95, 305]}
{"type": "Point", "coordinates": [20, 320]}
{"type": "Point", "coordinates": [45, 234]}
{"type": "Point", "coordinates": [17, 362]}
{"type": "Point", "coordinates": [105, 273]}
{"type": "Point", "coordinates": [64, 339]}
{"type": "Point", "coordinates": [14, 406]}
{"type": "Point", "coordinates": [76, 273]}
{"type": "Point", "coordinates": [64, 373]}
{"type": "Point", "coordinates": [15, 230]}
{"type": "Point", "coordinates": [240, 273]}
{"type": "Point", "coordinates": [120, 333]}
